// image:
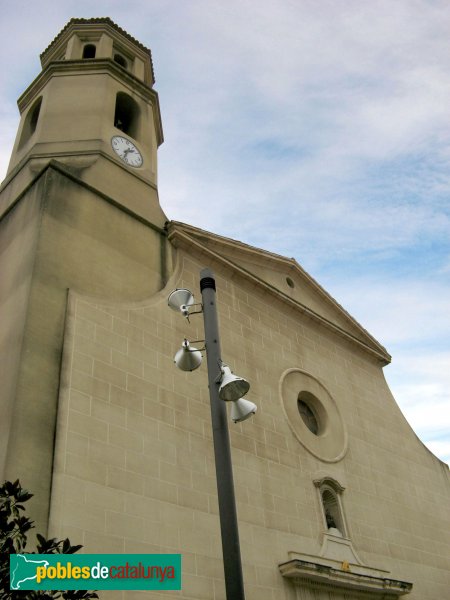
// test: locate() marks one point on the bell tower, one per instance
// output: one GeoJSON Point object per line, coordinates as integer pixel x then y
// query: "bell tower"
{"type": "Point", "coordinates": [93, 109]}
{"type": "Point", "coordinates": [79, 210]}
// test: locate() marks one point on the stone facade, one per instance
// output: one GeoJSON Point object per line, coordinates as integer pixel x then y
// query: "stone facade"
{"type": "Point", "coordinates": [116, 442]}
{"type": "Point", "coordinates": [134, 467]}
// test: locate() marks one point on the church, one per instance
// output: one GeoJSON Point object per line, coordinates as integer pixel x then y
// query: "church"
{"type": "Point", "coordinates": [336, 497]}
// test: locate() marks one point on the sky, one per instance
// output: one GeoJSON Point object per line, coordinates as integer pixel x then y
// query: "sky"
{"type": "Point", "coordinates": [317, 129]}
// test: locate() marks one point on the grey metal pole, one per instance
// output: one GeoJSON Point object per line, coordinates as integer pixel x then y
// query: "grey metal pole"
{"type": "Point", "coordinates": [234, 581]}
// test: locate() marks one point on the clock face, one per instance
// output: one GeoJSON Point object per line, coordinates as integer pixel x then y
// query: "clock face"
{"type": "Point", "coordinates": [127, 151]}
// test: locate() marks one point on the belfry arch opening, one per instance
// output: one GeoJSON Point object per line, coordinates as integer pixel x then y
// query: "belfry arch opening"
{"type": "Point", "coordinates": [31, 121]}
{"type": "Point", "coordinates": [126, 115]}
{"type": "Point", "coordinates": [89, 51]}
{"type": "Point", "coordinates": [120, 60]}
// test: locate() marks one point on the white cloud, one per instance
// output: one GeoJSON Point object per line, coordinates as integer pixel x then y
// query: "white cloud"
{"type": "Point", "coordinates": [400, 312]}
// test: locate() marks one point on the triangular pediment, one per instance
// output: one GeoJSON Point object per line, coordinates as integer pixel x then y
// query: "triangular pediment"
{"type": "Point", "coordinates": [283, 276]}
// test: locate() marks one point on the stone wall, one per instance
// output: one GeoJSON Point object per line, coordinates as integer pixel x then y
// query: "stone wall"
{"type": "Point", "coordinates": [134, 468]}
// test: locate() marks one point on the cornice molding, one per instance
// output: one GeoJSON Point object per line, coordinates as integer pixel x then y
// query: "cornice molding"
{"type": "Point", "coordinates": [54, 165]}
{"type": "Point", "coordinates": [179, 237]}
{"type": "Point", "coordinates": [330, 578]}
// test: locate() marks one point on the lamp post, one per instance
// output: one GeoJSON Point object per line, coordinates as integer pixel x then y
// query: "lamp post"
{"type": "Point", "coordinates": [234, 581]}
{"type": "Point", "coordinates": [223, 386]}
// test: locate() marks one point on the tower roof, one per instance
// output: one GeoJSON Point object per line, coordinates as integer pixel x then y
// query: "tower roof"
{"type": "Point", "coordinates": [95, 21]}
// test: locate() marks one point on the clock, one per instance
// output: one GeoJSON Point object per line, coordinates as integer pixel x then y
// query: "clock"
{"type": "Point", "coordinates": [127, 151]}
